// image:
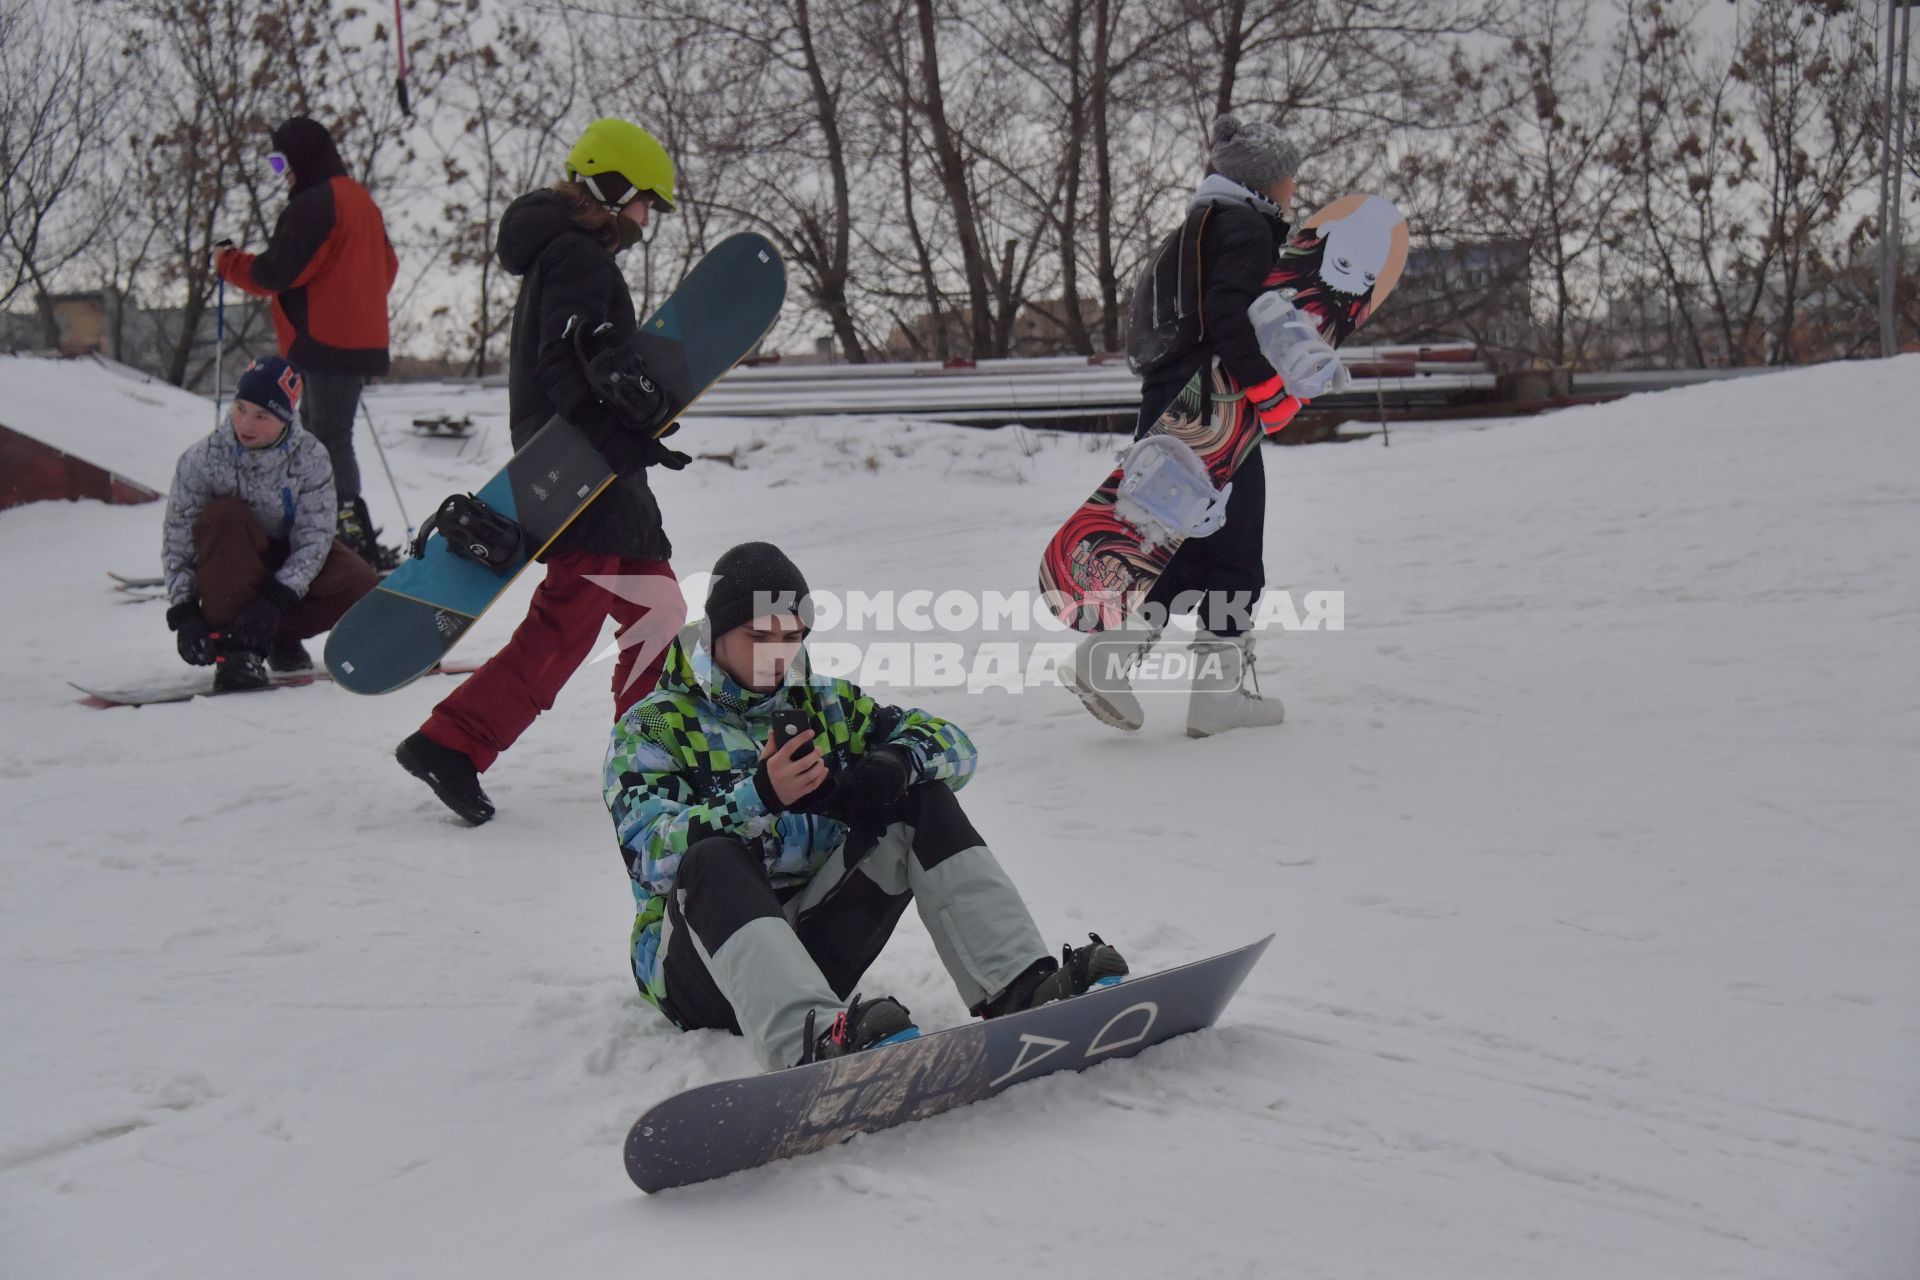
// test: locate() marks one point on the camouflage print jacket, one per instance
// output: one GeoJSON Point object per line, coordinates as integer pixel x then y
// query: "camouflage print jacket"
{"type": "Point", "coordinates": [681, 765]}
{"type": "Point", "coordinates": [287, 485]}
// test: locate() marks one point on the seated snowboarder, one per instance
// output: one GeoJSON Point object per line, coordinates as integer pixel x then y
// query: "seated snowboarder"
{"type": "Point", "coordinates": [768, 880]}
{"type": "Point", "coordinates": [252, 563]}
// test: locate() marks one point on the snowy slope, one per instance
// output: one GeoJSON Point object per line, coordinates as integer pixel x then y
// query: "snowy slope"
{"type": "Point", "coordinates": [1589, 844]}
{"type": "Point", "coordinates": [106, 413]}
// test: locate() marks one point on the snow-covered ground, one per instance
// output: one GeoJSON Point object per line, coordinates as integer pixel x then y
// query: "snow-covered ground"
{"type": "Point", "coordinates": [1590, 844]}
{"type": "Point", "coordinates": [105, 413]}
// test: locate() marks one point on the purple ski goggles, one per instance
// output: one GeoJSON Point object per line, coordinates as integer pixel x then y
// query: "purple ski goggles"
{"type": "Point", "coordinates": [277, 161]}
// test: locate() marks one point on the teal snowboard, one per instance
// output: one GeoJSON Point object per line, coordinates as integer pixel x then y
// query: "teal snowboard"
{"type": "Point", "coordinates": [400, 629]}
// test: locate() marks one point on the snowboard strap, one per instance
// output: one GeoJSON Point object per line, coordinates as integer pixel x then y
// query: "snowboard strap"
{"type": "Point", "coordinates": [474, 531]}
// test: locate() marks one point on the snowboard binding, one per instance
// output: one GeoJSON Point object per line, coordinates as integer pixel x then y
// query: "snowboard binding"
{"type": "Point", "coordinates": [1293, 346]}
{"type": "Point", "coordinates": [1166, 493]}
{"type": "Point", "coordinates": [618, 377]}
{"type": "Point", "coordinates": [474, 531]}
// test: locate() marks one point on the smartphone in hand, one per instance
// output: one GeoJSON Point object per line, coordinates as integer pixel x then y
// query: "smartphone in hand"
{"type": "Point", "coordinates": [788, 724]}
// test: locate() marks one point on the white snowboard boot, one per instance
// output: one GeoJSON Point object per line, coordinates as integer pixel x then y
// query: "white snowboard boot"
{"type": "Point", "coordinates": [1099, 671]}
{"type": "Point", "coordinates": [1223, 667]}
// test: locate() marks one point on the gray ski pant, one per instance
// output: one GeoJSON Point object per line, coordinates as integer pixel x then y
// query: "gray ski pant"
{"type": "Point", "coordinates": [735, 956]}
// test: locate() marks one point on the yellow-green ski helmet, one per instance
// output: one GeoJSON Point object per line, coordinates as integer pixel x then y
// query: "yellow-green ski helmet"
{"type": "Point", "coordinates": [617, 160]}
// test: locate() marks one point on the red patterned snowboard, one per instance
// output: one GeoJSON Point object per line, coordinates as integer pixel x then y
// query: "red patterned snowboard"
{"type": "Point", "coordinates": [1340, 264]}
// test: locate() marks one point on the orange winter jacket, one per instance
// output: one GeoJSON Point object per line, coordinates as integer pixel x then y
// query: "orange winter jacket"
{"type": "Point", "coordinates": [328, 268]}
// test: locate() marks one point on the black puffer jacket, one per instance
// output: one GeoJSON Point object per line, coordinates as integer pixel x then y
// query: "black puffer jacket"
{"type": "Point", "coordinates": [1211, 268]}
{"type": "Point", "coordinates": [567, 272]}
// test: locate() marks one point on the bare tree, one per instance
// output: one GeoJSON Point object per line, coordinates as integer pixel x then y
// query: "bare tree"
{"type": "Point", "coordinates": [1123, 102]}
{"type": "Point", "coordinates": [930, 100]}
{"type": "Point", "coordinates": [1539, 175]}
{"type": "Point", "coordinates": [1047, 44]}
{"type": "Point", "coordinates": [206, 81]}
{"type": "Point", "coordinates": [52, 111]}
{"type": "Point", "coordinates": [504, 105]}
{"type": "Point", "coordinates": [195, 157]}
{"type": "Point", "coordinates": [908, 147]}
{"type": "Point", "coordinates": [940, 165]}
{"type": "Point", "coordinates": [1072, 65]}
{"type": "Point", "coordinates": [1672, 153]}
{"type": "Point", "coordinates": [774, 117]}
{"type": "Point", "coordinates": [1342, 73]}
{"type": "Point", "coordinates": [1806, 68]}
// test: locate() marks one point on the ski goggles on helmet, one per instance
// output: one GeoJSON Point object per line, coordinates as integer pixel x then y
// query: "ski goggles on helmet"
{"type": "Point", "coordinates": [616, 191]}
{"type": "Point", "coordinates": [278, 162]}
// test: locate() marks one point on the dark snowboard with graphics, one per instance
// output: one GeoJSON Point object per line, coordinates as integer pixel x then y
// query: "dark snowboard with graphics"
{"type": "Point", "coordinates": [722, 1128]}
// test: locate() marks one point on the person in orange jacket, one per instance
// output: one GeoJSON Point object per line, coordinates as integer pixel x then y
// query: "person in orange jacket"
{"type": "Point", "coordinates": [328, 268]}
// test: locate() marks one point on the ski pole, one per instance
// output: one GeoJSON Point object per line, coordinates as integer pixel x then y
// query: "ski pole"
{"type": "Point", "coordinates": [1380, 400]}
{"type": "Point", "coordinates": [219, 347]}
{"type": "Point", "coordinates": [400, 47]}
{"type": "Point", "coordinates": [391, 482]}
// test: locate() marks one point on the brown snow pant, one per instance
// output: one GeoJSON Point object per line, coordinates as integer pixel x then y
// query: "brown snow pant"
{"type": "Point", "coordinates": [236, 557]}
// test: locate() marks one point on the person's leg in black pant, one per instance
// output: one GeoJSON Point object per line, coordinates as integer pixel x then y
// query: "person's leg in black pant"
{"type": "Point", "coordinates": [1224, 572]}
{"type": "Point", "coordinates": [735, 957]}
{"type": "Point", "coordinates": [730, 958]}
{"type": "Point", "coordinates": [981, 928]}
{"type": "Point", "coordinates": [328, 403]}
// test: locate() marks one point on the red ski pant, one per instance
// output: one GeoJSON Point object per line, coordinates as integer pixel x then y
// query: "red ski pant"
{"type": "Point", "coordinates": [495, 704]}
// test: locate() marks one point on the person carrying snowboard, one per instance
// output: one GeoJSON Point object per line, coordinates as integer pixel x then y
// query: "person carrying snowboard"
{"type": "Point", "coordinates": [1190, 309]}
{"type": "Point", "coordinates": [563, 242]}
{"type": "Point", "coordinates": [328, 268]}
{"type": "Point", "coordinates": [768, 874]}
{"type": "Point", "coordinates": [252, 563]}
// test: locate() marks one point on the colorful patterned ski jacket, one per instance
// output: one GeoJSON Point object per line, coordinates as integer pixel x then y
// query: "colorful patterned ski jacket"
{"type": "Point", "coordinates": [681, 764]}
{"type": "Point", "coordinates": [288, 486]}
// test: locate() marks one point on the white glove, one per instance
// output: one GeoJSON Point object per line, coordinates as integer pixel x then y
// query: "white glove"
{"type": "Point", "coordinates": [1295, 349]}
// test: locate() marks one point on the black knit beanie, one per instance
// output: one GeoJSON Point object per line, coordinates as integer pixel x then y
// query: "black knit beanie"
{"type": "Point", "coordinates": [751, 581]}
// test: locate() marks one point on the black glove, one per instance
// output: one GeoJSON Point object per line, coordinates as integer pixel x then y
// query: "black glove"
{"type": "Point", "coordinates": [254, 626]}
{"type": "Point", "coordinates": [194, 636]}
{"type": "Point", "coordinates": [867, 797]}
{"type": "Point", "coordinates": [628, 451]}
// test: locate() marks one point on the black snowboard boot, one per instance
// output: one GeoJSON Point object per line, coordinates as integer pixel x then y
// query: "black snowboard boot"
{"type": "Point", "coordinates": [1076, 972]}
{"type": "Point", "coordinates": [288, 655]}
{"type": "Point", "coordinates": [861, 1025]}
{"type": "Point", "coordinates": [239, 670]}
{"type": "Point", "coordinates": [450, 773]}
{"type": "Point", "coordinates": [354, 526]}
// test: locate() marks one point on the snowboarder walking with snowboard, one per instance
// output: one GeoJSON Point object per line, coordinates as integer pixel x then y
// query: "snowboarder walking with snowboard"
{"type": "Point", "coordinates": [775, 825]}
{"type": "Point", "coordinates": [252, 563]}
{"type": "Point", "coordinates": [1190, 309]}
{"type": "Point", "coordinates": [563, 241]}
{"type": "Point", "coordinates": [328, 268]}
